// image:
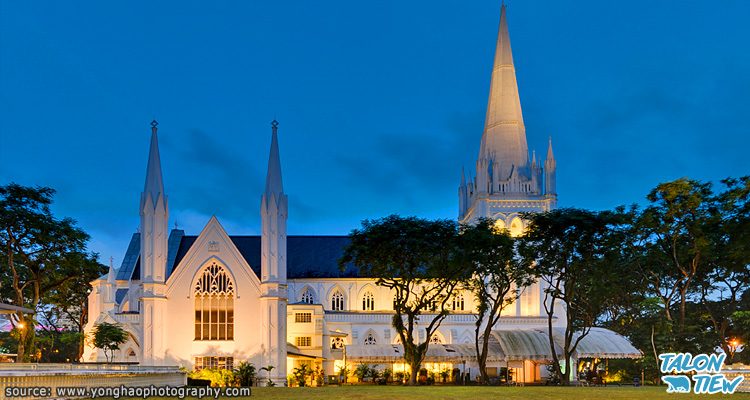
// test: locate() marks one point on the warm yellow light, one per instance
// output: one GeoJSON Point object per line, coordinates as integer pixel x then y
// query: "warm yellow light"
{"type": "Point", "coordinates": [21, 325]}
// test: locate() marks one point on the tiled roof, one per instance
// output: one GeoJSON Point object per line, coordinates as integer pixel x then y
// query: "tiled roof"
{"type": "Point", "coordinates": [307, 256]}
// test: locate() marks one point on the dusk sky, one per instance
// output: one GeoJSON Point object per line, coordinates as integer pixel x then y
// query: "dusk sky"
{"type": "Point", "coordinates": [380, 104]}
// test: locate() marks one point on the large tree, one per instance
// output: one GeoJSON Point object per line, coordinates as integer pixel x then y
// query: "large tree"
{"type": "Point", "coordinates": [577, 256]}
{"type": "Point", "coordinates": [674, 234]}
{"type": "Point", "coordinates": [498, 278]}
{"type": "Point", "coordinates": [40, 253]}
{"type": "Point", "coordinates": [66, 306]}
{"type": "Point", "coordinates": [417, 259]}
{"type": "Point", "coordinates": [727, 279]}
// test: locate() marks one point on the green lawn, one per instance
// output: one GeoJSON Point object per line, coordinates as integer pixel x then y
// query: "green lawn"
{"type": "Point", "coordinates": [480, 393]}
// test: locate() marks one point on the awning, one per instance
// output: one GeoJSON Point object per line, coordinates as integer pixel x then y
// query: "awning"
{"type": "Point", "coordinates": [506, 345]}
{"type": "Point", "coordinates": [386, 353]}
{"type": "Point", "coordinates": [600, 343]}
{"type": "Point", "coordinates": [522, 345]}
{"type": "Point", "coordinates": [294, 352]}
{"type": "Point", "coordinates": [533, 344]}
{"type": "Point", "coordinates": [11, 309]}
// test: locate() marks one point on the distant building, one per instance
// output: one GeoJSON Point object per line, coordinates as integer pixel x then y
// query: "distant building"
{"type": "Point", "coordinates": [214, 299]}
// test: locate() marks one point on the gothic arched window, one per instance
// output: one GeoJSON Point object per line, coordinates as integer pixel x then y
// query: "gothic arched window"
{"type": "Point", "coordinates": [337, 301]}
{"type": "Point", "coordinates": [435, 339]}
{"type": "Point", "coordinates": [458, 302]}
{"type": "Point", "coordinates": [307, 296]}
{"type": "Point", "coordinates": [370, 339]}
{"type": "Point", "coordinates": [337, 343]}
{"type": "Point", "coordinates": [214, 304]}
{"type": "Point", "coordinates": [368, 301]}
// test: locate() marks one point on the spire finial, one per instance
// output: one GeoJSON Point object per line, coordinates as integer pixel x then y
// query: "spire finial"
{"type": "Point", "coordinates": [273, 178]}
{"type": "Point", "coordinates": [154, 124]}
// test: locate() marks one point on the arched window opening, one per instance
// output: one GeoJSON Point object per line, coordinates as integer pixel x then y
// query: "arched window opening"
{"type": "Point", "coordinates": [307, 296]}
{"type": "Point", "coordinates": [458, 302]}
{"type": "Point", "coordinates": [337, 301]}
{"type": "Point", "coordinates": [435, 339]}
{"type": "Point", "coordinates": [370, 339]}
{"type": "Point", "coordinates": [337, 343]}
{"type": "Point", "coordinates": [214, 304]}
{"type": "Point", "coordinates": [368, 301]}
{"type": "Point", "coordinates": [516, 227]}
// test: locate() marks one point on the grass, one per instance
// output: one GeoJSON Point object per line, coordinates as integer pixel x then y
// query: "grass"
{"type": "Point", "coordinates": [364, 392]}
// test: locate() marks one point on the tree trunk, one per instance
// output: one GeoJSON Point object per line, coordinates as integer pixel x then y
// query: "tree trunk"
{"type": "Point", "coordinates": [414, 372]}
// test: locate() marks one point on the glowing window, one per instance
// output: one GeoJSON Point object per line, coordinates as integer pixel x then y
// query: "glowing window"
{"type": "Point", "coordinates": [337, 301]}
{"type": "Point", "coordinates": [458, 302]}
{"type": "Point", "coordinates": [499, 225]}
{"type": "Point", "coordinates": [516, 227]}
{"type": "Point", "coordinates": [214, 304]}
{"type": "Point", "coordinates": [302, 317]}
{"type": "Point", "coordinates": [307, 296]}
{"type": "Point", "coordinates": [368, 301]}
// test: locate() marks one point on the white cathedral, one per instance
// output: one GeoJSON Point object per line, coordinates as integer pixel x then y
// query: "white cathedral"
{"type": "Point", "coordinates": [215, 299]}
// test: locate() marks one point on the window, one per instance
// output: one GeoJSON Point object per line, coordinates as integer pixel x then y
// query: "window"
{"type": "Point", "coordinates": [302, 317]}
{"type": "Point", "coordinates": [368, 301]}
{"type": "Point", "coordinates": [337, 301]}
{"type": "Point", "coordinates": [458, 302]}
{"type": "Point", "coordinates": [304, 341]}
{"type": "Point", "coordinates": [435, 339]}
{"type": "Point", "coordinates": [307, 296]}
{"type": "Point", "coordinates": [214, 304]}
{"type": "Point", "coordinates": [337, 343]}
{"type": "Point", "coordinates": [370, 339]}
{"type": "Point", "coordinates": [213, 362]}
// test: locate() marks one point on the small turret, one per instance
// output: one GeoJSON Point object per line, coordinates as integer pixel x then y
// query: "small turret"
{"type": "Point", "coordinates": [550, 171]}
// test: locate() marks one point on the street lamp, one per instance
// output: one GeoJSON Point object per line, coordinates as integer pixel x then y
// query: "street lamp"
{"type": "Point", "coordinates": [733, 345]}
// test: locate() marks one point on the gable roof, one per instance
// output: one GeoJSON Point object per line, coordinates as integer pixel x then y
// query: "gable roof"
{"type": "Point", "coordinates": [308, 256]}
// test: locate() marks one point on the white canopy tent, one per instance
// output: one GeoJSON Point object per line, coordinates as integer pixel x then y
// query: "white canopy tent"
{"type": "Point", "coordinates": [507, 346]}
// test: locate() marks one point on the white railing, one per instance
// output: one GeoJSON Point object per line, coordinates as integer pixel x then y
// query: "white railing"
{"type": "Point", "coordinates": [53, 376]}
{"type": "Point", "coordinates": [61, 367]}
{"type": "Point", "coordinates": [358, 317]}
{"type": "Point", "coordinates": [132, 318]}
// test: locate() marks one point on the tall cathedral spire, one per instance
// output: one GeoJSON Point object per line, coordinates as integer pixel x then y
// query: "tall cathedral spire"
{"type": "Point", "coordinates": [154, 182]}
{"type": "Point", "coordinates": [504, 137]}
{"type": "Point", "coordinates": [506, 182]}
{"type": "Point", "coordinates": [273, 177]}
{"type": "Point", "coordinates": [273, 214]}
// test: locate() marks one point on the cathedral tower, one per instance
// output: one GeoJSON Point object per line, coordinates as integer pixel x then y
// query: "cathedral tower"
{"type": "Point", "coordinates": [154, 212]}
{"type": "Point", "coordinates": [506, 181]}
{"type": "Point", "coordinates": [273, 211]}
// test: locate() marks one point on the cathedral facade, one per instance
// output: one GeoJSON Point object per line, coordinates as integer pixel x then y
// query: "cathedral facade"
{"type": "Point", "coordinates": [213, 300]}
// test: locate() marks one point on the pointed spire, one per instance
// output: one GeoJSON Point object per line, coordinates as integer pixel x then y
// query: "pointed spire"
{"type": "Point", "coordinates": [154, 182]}
{"type": "Point", "coordinates": [550, 154]}
{"type": "Point", "coordinates": [273, 178]}
{"type": "Point", "coordinates": [504, 130]}
{"type": "Point", "coordinates": [463, 177]}
{"type": "Point", "coordinates": [112, 275]}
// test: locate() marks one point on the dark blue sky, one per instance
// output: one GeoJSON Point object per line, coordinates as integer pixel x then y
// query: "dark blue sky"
{"type": "Point", "coordinates": [380, 103]}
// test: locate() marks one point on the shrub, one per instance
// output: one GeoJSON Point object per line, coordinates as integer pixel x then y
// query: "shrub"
{"type": "Point", "coordinates": [217, 377]}
{"type": "Point", "coordinates": [362, 371]}
{"type": "Point", "coordinates": [300, 374]}
{"type": "Point", "coordinates": [245, 374]}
